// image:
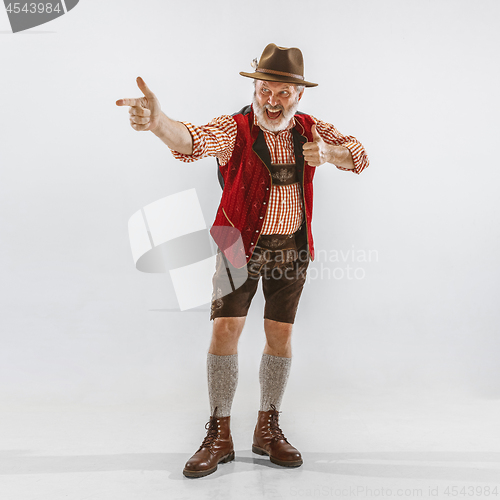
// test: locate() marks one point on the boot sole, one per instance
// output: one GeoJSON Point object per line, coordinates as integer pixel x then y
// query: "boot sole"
{"type": "Point", "coordinates": [283, 463]}
{"type": "Point", "coordinates": [202, 473]}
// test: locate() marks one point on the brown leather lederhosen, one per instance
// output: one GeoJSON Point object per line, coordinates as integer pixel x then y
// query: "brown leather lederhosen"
{"type": "Point", "coordinates": [281, 261]}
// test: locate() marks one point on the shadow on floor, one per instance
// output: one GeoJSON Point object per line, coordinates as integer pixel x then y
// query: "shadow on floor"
{"type": "Point", "coordinates": [459, 466]}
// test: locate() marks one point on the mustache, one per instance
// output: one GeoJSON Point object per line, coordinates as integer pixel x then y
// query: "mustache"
{"type": "Point", "coordinates": [279, 107]}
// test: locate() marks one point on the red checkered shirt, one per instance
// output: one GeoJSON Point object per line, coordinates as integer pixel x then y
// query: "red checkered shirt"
{"type": "Point", "coordinates": [284, 213]}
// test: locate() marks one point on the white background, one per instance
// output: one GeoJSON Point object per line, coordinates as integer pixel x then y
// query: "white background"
{"type": "Point", "coordinates": [416, 82]}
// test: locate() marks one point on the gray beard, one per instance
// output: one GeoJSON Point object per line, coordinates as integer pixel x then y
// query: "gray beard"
{"type": "Point", "coordinates": [264, 121]}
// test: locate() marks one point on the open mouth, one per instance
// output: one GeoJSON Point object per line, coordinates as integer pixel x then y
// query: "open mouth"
{"type": "Point", "coordinates": [273, 115]}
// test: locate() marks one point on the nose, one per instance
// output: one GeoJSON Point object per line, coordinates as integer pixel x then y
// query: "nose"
{"type": "Point", "coordinates": [272, 100]}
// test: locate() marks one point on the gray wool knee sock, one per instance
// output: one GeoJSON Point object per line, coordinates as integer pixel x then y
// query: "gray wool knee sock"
{"type": "Point", "coordinates": [222, 374]}
{"type": "Point", "coordinates": [273, 376]}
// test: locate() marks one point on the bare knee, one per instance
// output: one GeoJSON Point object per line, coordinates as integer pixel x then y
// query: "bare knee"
{"type": "Point", "coordinates": [225, 335]}
{"type": "Point", "coordinates": [278, 338]}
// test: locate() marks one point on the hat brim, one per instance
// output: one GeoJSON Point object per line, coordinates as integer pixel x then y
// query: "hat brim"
{"type": "Point", "coordinates": [276, 78]}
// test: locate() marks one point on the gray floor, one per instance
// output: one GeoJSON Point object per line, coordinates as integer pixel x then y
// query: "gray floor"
{"type": "Point", "coordinates": [355, 444]}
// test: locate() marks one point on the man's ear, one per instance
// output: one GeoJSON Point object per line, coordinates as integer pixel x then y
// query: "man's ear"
{"type": "Point", "coordinates": [301, 93]}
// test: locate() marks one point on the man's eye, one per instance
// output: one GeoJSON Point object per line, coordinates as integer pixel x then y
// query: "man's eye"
{"type": "Point", "coordinates": [285, 93]}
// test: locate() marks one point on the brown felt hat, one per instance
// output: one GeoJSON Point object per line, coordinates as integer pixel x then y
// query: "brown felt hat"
{"type": "Point", "coordinates": [280, 64]}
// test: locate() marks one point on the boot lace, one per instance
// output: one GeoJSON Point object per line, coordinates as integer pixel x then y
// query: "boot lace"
{"type": "Point", "coordinates": [274, 427]}
{"type": "Point", "coordinates": [212, 433]}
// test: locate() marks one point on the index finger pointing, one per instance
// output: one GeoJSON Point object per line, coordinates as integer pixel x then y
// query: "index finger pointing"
{"type": "Point", "coordinates": [128, 102]}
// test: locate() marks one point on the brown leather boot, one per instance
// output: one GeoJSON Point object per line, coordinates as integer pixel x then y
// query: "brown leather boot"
{"type": "Point", "coordinates": [268, 439]}
{"type": "Point", "coordinates": [216, 447]}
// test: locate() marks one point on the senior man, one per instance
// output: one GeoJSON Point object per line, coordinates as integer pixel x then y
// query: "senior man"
{"type": "Point", "coordinates": [267, 155]}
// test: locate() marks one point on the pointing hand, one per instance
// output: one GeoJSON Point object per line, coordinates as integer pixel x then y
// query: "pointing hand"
{"type": "Point", "coordinates": [315, 152]}
{"type": "Point", "coordinates": [144, 111]}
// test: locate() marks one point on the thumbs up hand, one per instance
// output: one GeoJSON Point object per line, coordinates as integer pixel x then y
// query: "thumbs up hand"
{"type": "Point", "coordinates": [315, 152]}
{"type": "Point", "coordinates": [144, 111]}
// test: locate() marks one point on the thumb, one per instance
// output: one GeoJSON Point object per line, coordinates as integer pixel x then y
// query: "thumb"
{"type": "Point", "coordinates": [144, 88]}
{"type": "Point", "coordinates": [315, 134]}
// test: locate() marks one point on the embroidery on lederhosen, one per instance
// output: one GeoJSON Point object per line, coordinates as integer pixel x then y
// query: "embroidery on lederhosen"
{"type": "Point", "coordinates": [273, 251]}
{"type": "Point", "coordinates": [283, 174]}
{"type": "Point", "coordinates": [217, 301]}
{"type": "Point", "coordinates": [217, 293]}
{"type": "Point", "coordinates": [260, 258]}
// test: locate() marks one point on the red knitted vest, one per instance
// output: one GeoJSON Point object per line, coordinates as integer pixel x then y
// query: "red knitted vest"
{"type": "Point", "coordinates": [247, 188]}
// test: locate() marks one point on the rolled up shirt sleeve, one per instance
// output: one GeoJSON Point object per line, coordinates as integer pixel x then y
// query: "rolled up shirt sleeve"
{"type": "Point", "coordinates": [216, 138]}
{"type": "Point", "coordinates": [332, 136]}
